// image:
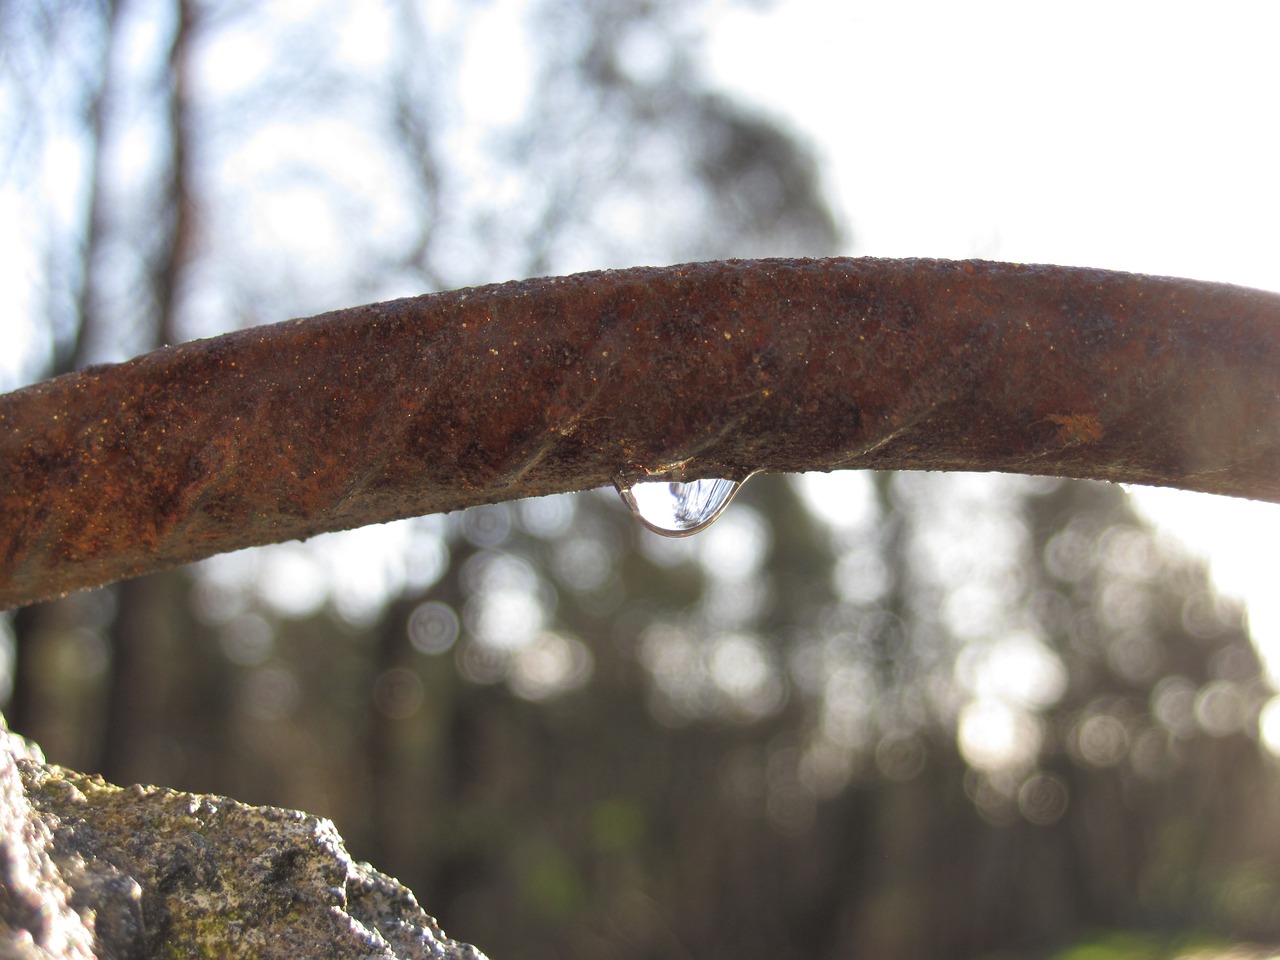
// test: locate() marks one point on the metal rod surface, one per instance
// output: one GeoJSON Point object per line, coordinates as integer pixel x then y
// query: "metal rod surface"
{"type": "Point", "coordinates": [541, 386]}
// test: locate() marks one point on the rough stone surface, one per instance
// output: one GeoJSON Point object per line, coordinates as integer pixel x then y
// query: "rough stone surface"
{"type": "Point", "coordinates": [92, 870]}
{"type": "Point", "coordinates": [36, 918]}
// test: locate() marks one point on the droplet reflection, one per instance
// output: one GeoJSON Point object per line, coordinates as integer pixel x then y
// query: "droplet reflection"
{"type": "Point", "coordinates": [676, 509]}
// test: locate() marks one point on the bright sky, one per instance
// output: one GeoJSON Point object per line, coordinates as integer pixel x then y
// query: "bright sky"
{"type": "Point", "coordinates": [1138, 136]}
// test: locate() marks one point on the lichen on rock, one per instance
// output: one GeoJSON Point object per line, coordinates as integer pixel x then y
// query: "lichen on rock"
{"type": "Point", "coordinates": [92, 870]}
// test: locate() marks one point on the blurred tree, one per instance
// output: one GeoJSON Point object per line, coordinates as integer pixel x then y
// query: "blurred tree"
{"type": "Point", "coordinates": [898, 716]}
{"type": "Point", "coordinates": [117, 228]}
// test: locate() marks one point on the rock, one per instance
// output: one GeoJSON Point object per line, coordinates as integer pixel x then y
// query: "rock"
{"type": "Point", "coordinates": [36, 919]}
{"type": "Point", "coordinates": [91, 870]}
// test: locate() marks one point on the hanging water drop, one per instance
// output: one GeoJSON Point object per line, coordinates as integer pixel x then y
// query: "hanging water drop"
{"type": "Point", "coordinates": [678, 509]}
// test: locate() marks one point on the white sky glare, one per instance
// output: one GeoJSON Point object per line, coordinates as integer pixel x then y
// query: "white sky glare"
{"type": "Point", "coordinates": [1134, 136]}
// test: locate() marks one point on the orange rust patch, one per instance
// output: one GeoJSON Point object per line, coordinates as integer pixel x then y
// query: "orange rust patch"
{"type": "Point", "coordinates": [1076, 428]}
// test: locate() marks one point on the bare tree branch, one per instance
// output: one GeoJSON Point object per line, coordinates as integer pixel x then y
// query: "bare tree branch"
{"type": "Point", "coordinates": [717, 369]}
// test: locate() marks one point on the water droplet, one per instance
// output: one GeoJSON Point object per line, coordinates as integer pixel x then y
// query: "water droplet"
{"type": "Point", "coordinates": [678, 509]}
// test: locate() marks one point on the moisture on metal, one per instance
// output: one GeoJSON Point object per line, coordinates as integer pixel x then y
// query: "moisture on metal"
{"type": "Point", "coordinates": [704, 370]}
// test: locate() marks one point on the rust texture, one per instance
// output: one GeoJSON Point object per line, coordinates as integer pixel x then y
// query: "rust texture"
{"type": "Point", "coordinates": [540, 386]}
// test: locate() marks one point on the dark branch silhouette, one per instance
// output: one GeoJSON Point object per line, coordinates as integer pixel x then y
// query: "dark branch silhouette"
{"type": "Point", "coordinates": [542, 386]}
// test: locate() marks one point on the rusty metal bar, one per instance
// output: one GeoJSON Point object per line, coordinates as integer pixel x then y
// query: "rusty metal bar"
{"type": "Point", "coordinates": [716, 369]}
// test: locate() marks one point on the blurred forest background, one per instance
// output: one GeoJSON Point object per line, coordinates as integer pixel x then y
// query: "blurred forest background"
{"type": "Point", "coordinates": [891, 716]}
